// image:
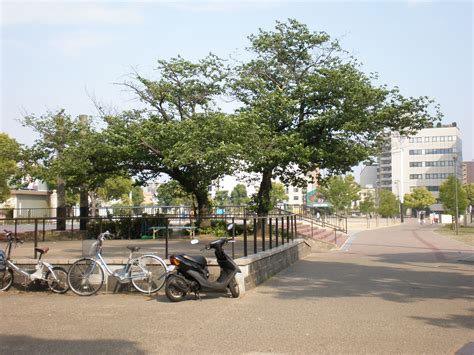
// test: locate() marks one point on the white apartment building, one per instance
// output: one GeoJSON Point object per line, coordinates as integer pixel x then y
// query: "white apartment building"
{"type": "Point", "coordinates": [425, 159]}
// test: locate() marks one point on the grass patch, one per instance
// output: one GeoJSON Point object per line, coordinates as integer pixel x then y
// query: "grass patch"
{"type": "Point", "coordinates": [466, 234]}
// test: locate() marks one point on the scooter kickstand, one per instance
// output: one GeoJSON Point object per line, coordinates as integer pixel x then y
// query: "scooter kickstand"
{"type": "Point", "coordinates": [197, 295]}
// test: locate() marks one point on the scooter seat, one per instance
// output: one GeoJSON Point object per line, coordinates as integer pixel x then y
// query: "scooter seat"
{"type": "Point", "coordinates": [199, 259]}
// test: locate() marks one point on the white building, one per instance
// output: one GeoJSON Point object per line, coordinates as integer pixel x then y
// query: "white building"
{"type": "Point", "coordinates": [425, 159]}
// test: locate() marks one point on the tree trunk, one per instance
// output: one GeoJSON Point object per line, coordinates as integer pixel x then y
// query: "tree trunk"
{"type": "Point", "coordinates": [61, 209]}
{"type": "Point", "coordinates": [263, 196]}
{"type": "Point", "coordinates": [203, 209]}
{"type": "Point", "coordinates": [83, 208]}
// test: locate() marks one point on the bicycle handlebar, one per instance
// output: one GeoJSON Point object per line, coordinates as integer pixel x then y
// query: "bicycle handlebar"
{"type": "Point", "coordinates": [9, 235]}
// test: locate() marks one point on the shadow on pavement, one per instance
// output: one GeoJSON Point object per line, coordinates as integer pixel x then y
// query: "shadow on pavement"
{"type": "Point", "coordinates": [23, 344]}
{"type": "Point", "coordinates": [324, 279]}
{"type": "Point", "coordinates": [454, 321]}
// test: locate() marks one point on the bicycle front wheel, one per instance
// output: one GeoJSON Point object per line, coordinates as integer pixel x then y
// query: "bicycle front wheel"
{"type": "Point", "coordinates": [6, 279]}
{"type": "Point", "coordinates": [57, 280]}
{"type": "Point", "coordinates": [148, 274]}
{"type": "Point", "coordinates": [85, 277]}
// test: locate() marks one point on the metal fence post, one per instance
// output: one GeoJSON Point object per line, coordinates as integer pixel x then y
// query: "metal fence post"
{"type": "Point", "coordinates": [264, 222]}
{"type": "Point", "coordinates": [282, 230]}
{"type": "Point", "coordinates": [288, 229]}
{"type": "Point", "coordinates": [44, 228]}
{"type": "Point", "coordinates": [36, 236]}
{"type": "Point", "coordinates": [255, 236]}
{"type": "Point", "coordinates": [270, 227]}
{"type": "Point", "coordinates": [245, 237]}
{"type": "Point", "coordinates": [233, 237]}
{"type": "Point", "coordinates": [276, 231]}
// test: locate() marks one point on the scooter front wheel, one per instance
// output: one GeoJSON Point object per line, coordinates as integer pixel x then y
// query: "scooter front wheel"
{"type": "Point", "coordinates": [234, 288]}
{"type": "Point", "coordinates": [174, 289]}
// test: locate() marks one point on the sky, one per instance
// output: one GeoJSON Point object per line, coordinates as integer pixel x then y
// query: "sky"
{"type": "Point", "coordinates": [65, 54]}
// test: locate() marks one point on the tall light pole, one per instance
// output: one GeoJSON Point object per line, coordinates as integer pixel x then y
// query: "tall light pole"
{"type": "Point", "coordinates": [455, 158]}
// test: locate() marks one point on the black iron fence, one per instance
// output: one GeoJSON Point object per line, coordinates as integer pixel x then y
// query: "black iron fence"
{"type": "Point", "coordinates": [253, 234]}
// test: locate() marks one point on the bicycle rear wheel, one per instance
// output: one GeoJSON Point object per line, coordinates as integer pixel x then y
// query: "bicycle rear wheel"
{"type": "Point", "coordinates": [85, 277]}
{"type": "Point", "coordinates": [6, 279]}
{"type": "Point", "coordinates": [148, 274]}
{"type": "Point", "coordinates": [58, 284]}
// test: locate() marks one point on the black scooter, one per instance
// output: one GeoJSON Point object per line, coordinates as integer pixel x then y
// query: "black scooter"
{"type": "Point", "coordinates": [192, 273]}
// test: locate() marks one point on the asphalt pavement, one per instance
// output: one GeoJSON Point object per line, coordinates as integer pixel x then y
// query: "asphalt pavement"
{"type": "Point", "coordinates": [397, 290]}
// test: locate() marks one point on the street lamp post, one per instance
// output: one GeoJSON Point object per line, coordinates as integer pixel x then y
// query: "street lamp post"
{"type": "Point", "coordinates": [456, 194]}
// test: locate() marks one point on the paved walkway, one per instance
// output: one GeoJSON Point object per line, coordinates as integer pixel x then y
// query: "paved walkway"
{"type": "Point", "coordinates": [398, 290]}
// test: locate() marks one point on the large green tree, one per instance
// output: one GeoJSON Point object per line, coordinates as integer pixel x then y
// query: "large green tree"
{"type": "Point", "coordinates": [451, 190]}
{"type": "Point", "coordinates": [419, 199]}
{"type": "Point", "coordinates": [9, 156]}
{"type": "Point", "coordinates": [182, 133]}
{"type": "Point", "coordinates": [314, 107]}
{"type": "Point", "coordinates": [341, 191]}
{"type": "Point", "coordinates": [71, 154]}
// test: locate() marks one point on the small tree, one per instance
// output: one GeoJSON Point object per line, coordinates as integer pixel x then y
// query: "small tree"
{"type": "Point", "coordinates": [419, 199]}
{"type": "Point", "coordinates": [388, 204]}
{"type": "Point", "coordinates": [341, 191]}
{"type": "Point", "coordinates": [9, 155]}
{"type": "Point", "coordinates": [239, 196]}
{"type": "Point", "coordinates": [277, 194]}
{"type": "Point", "coordinates": [367, 206]}
{"type": "Point", "coordinates": [172, 193]}
{"type": "Point", "coordinates": [222, 198]}
{"type": "Point", "coordinates": [447, 195]}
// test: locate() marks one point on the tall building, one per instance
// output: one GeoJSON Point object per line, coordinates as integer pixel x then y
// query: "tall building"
{"type": "Point", "coordinates": [425, 159]}
{"type": "Point", "coordinates": [368, 176]}
{"type": "Point", "coordinates": [468, 172]}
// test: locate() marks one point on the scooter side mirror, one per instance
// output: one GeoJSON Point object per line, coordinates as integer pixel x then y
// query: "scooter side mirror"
{"type": "Point", "coordinates": [230, 226]}
{"type": "Point", "coordinates": [194, 241]}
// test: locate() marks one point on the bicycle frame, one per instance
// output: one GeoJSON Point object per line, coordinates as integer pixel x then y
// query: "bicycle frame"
{"type": "Point", "coordinates": [123, 275]}
{"type": "Point", "coordinates": [38, 274]}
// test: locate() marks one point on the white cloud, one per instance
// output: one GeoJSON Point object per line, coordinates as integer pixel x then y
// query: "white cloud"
{"type": "Point", "coordinates": [72, 44]}
{"type": "Point", "coordinates": [67, 13]}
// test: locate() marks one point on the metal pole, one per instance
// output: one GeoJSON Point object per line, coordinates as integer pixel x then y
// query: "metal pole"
{"type": "Point", "coordinates": [456, 194]}
{"type": "Point", "coordinates": [36, 236]}
{"type": "Point", "coordinates": [245, 237]}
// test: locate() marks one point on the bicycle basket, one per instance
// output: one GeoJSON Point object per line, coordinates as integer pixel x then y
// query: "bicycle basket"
{"type": "Point", "coordinates": [90, 247]}
{"type": "Point", "coordinates": [3, 261]}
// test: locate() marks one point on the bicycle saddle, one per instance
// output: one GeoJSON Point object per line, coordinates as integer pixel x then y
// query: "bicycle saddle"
{"type": "Point", "coordinates": [42, 250]}
{"type": "Point", "coordinates": [133, 248]}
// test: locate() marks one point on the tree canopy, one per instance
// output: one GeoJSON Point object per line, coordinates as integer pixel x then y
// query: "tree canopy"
{"type": "Point", "coordinates": [340, 191]}
{"type": "Point", "coordinates": [182, 133]}
{"type": "Point", "coordinates": [388, 204]}
{"type": "Point", "coordinates": [238, 195]}
{"type": "Point", "coordinates": [9, 156]}
{"type": "Point", "coordinates": [314, 107]}
{"type": "Point", "coordinates": [448, 195]}
{"type": "Point", "coordinates": [420, 198]}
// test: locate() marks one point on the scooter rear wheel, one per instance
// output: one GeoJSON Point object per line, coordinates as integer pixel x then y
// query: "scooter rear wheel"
{"type": "Point", "coordinates": [234, 288]}
{"type": "Point", "coordinates": [174, 289]}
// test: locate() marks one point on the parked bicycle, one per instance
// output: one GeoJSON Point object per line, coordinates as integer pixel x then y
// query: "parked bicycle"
{"type": "Point", "coordinates": [54, 276]}
{"type": "Point", "coordinates": [147, 273]}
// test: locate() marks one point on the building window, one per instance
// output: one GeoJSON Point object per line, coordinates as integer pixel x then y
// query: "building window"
{"type": "Point", "coordinates": [432, 188]}
{"type": "Point", "coordinates": [296, 198]}
{"type": "Point", "coordinates": [442, 139]}
{"type": "Point", "coordinates": [416, 164]}
{"type": "Point", "coordinates": [427, 139]}
{"type": "Point", "coordinates": [450, 138]}
{"type": "Point", "coordinates": [437, 176]}
{"type": "Point", "coordinates": [439, 151]}
{"type": "Point", "coordinates": [416, 151]}
{"type": "Point", "coordinates": [416, 176]}
{"type": "Point", "coordinates": [295, 189]}
{"type": "Point", "coordinates": [434, 139]}
{"type": "Point", "coordinates": [419, 140]}
{"type": "Point", "coordinates": [439, 163]}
